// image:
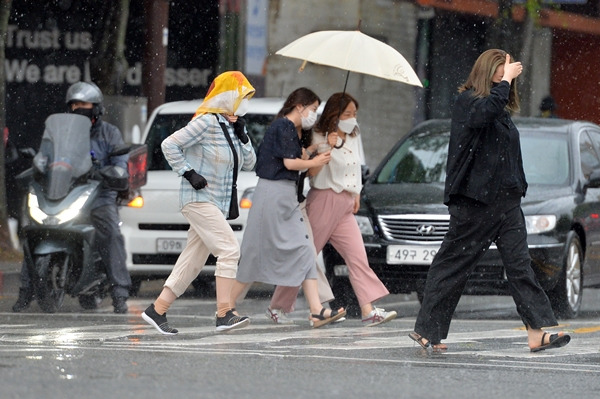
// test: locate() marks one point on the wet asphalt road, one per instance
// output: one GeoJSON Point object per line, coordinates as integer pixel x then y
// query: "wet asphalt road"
{"type": "Point", "coordinates": [97, 354]}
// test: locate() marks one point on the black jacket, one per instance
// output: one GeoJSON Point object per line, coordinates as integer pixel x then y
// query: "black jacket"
{"type": "Point", "coordinates": [479, 135]}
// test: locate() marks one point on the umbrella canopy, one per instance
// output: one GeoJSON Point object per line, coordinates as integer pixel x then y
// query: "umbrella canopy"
{"type": "Point", "coordinates": [352, 51]}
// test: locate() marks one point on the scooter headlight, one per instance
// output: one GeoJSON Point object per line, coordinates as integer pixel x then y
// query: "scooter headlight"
{"type": "Point", "coordinates": [34, 209]}
{"type": "Point", "coordinates": [64, 216]}
{"type": "Point", "coordinates": [73, 211]}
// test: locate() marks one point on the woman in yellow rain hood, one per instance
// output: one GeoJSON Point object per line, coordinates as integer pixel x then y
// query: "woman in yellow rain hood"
{"type": "Point", "coordinates": [205, 153]}
{"type": "Point", "coordinates": [225, 95]}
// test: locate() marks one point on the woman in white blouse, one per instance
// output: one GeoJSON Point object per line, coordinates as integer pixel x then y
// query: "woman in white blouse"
{"type": "Point", "coordinates": [334, 198]}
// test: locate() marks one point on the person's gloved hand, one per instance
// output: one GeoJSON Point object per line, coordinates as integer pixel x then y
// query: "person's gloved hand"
{"type": "Point", "coordinates": [196, 180]}
{"type": "Point", "coordinates": [238, 128]}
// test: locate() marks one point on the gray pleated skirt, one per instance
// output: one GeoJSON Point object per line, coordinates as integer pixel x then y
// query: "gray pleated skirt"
{"type": "Point", "coordinates": [276, 248]}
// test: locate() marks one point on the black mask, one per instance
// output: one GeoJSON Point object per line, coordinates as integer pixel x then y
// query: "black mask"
{"type": "Point", "coordinates": [88, 112]}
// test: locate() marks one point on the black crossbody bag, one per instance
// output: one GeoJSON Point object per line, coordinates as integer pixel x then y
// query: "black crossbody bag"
{"type": "Point", "coordinates": [234, 211]}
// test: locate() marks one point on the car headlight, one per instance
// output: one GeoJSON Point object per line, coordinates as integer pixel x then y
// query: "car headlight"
{"type": "Point", "coordinates": [364, 224]}
{"type": "Point", "coordinates": [537, 224]}
{"type": "Point", "coordinates": [246, 200]}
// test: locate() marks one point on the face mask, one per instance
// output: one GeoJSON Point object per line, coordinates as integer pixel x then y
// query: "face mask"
{"type": "Point", "coordinates": [347, 125]}
{"type": "Point", "coordinates": [242, 108]}
{"type": "Point", "coordinates": [88, 112]}
{"type": "Point", "coordinates": [309, 121]}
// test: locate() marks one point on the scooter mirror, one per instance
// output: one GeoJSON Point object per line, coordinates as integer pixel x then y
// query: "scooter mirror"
{"type": "Point", "coordinates": [121, 150]}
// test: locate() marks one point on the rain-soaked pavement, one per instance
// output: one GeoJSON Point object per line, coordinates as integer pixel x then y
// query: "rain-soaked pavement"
{"type": "Point", "coordinates": [98, 354]}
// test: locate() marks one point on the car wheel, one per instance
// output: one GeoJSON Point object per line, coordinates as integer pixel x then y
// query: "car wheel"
{"type": "Point", "coordinates": [566, 296]}
{"type": "Point", "coordinates": [204, 288]}
{"type": "Point", "coordinates": [344, 296]}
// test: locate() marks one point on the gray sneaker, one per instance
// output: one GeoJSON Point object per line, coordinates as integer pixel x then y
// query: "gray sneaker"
{"type": "Point", "coordinates": [158, 321]}
{"type": "Point", "coordinates": [231, 321]}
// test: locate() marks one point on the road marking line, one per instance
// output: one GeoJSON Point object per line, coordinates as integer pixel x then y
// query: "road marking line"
{"type": "Point", "coordinates": [529, 366]}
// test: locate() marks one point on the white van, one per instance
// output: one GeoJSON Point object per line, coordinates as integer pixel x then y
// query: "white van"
{"type": "Point", "coordinates": [155, 233]}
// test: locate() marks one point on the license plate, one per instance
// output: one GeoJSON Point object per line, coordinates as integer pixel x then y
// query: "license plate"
{"type": "Point", "coordinates": [170, 245]}
{"type": "Point", "coordinates": [410, 254]}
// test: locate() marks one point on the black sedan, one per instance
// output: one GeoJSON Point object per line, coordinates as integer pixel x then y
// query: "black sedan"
{"type": "Point", "coordinates": [403, 219]}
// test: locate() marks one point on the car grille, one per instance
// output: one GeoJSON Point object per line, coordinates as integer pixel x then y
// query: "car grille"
{"type": "Point", "coordinates": [176, 227]}
{"type": "Point", "coordinates": [420, 228]}
{"type": "Point", "coordinates": [163, 259]}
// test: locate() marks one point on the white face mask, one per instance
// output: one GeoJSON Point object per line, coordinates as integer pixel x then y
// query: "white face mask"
{"type": "Point", "coordinates": [309, 121]}
{"type": "Point", "coordinates": [242, 108]}
{"type": "Point", "coordinates": [347, 125]}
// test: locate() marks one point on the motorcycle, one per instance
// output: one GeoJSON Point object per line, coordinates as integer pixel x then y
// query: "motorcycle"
{"type": "Point", "coordinates": [58, 235]}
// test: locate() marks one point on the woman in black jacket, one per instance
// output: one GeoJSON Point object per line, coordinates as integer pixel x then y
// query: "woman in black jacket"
{"type": "Point", "coordinates": [484, 185]}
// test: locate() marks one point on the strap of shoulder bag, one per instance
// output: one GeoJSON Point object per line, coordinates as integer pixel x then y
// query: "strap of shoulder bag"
{"type": "Point", "coordinates": [233, 206]}
{"type": "Point", "coordinates": [235, 156]}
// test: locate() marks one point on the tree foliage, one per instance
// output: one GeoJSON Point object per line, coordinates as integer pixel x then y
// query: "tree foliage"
{"type": "Point", "coordinates": [108, 63]}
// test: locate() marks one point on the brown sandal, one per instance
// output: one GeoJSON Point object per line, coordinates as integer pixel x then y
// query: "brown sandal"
{"type": "Point", "coordinates": [419, 340]}
{"type": "Point", "coordinates": [425, 345]}
{"type": "Point", "coordinates": [321, 320]}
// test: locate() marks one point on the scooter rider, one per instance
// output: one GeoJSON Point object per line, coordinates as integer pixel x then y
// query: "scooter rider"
{"type": "Point", "coordinates": [85, 98]}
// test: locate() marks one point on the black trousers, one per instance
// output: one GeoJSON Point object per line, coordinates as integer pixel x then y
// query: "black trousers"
{"type": "Point", "coordinates": [111, 246]}
{"type": "Point", "coordinates": [473, 227]}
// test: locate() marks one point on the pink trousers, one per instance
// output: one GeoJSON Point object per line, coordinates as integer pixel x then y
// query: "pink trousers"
{"type": "Point", "coordinates": [331, 218]}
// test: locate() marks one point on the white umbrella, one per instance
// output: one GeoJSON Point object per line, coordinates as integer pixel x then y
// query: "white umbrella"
{"type": "Point", "coordinates": [352, 51]}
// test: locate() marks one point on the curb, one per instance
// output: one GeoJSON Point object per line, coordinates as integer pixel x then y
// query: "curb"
{"type": "Point", "coordinates": [9, 283]}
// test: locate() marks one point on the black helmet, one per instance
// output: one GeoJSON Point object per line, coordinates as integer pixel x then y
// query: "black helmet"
{"type": "Point", "coordinates": [87, 92]}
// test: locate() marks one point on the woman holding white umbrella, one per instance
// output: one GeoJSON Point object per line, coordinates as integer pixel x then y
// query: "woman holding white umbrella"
{"type": "Point", "coordinates": [332, 201]}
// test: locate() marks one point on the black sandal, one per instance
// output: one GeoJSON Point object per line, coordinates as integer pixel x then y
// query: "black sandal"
{"type": "Point", "coordinates": [555, 341]}
{"type": "Point", "coordinates": [322, 320]}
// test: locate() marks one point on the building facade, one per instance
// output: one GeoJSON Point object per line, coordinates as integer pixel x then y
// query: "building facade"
{"type": "Point", "coordinates": [441, 39]}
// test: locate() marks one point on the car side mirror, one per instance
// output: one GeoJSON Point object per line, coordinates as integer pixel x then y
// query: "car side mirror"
{"type": "Point", "coordinates": [365, 173]}
{"type": "Point", "coordinates": [594, 180]}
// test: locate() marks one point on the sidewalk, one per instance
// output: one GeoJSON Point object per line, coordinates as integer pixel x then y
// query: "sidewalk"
{"type": "Point", "coordinates": [10, 269]}
{"type": "Point", "coordinates": [9, 277]}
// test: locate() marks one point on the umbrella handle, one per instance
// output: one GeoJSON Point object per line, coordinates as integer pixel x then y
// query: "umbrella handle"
{"type": "Point", "coordinates": [302, 66]}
